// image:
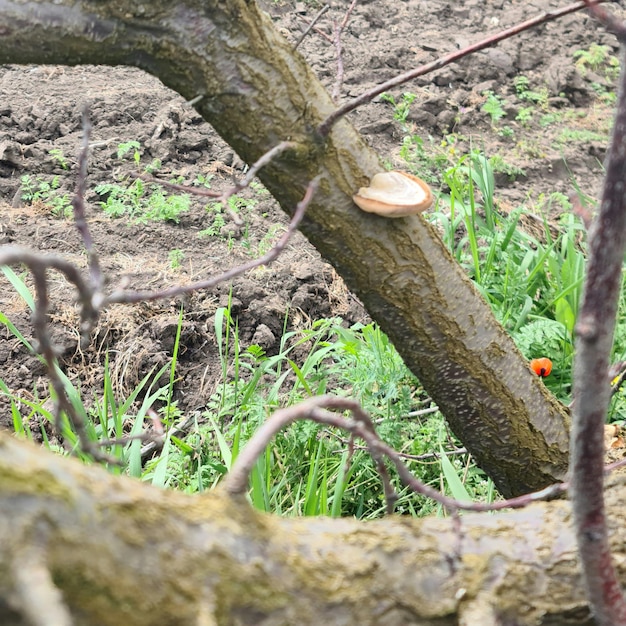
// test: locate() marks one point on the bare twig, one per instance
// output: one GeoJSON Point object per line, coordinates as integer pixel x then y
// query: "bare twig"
{"type": "Point", "coordinates": [592, 391]}
{"type": "Point", "coordinates": [38, 264]}
{"type": "Point", "coordinates": [369, 95]}
{"type": "Point", "coordinates": [176, 290]}
{"type": "Point", "coordinates": [78, 203]}
{"type": "Point", "coordinates": [338, 30]}
{"type": "Point", "coordinates": [310, 27]}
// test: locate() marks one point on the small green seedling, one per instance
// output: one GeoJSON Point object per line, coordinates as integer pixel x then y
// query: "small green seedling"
{"type": "Point", "coordinates": [46, 193]}
{"type": "Point", "coordinates": [493, 106]}
{"type": "Point", "coordinates": [401, 107]}
{"type": "Point", "coordinates": [58, 156]}
{"type": "Point", "coordinates": [176, 257]}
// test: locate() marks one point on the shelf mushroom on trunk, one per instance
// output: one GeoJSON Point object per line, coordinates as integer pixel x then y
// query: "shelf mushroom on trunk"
{"type": "Point", "coordinates": [394, 194]}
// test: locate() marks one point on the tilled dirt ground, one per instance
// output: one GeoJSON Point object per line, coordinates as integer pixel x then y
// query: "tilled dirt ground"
{"type": "Point", "coordinates": [549, 134]}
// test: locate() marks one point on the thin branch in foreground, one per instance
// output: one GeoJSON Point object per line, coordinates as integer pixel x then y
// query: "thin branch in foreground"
{"type": "Point", "coordinates": [339, 28]}
{"type": "Point", "coordinates": [78, 204]}
{"type": "Point", "coordinates": [592, 391]}
{"type": "Point", "coordinates": [38, 264]}
{"type": "Point", "coordinates": [176, 290]}
{"type": "Point", "coordinates": [369, 95]}
{"type": "Point", "coordinates": [319, 409]}
{"type": "Point", "coordinates": [311, 25]}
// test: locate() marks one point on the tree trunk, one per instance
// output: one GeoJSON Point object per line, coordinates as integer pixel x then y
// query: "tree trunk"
{"type": "Point", "coordinates": [121, 552]}
{"type": "Point", "coordinates": [257, 92]}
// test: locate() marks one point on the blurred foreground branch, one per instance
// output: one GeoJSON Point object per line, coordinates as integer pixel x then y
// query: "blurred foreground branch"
{"type": "Point", "coordinates": [120, 552]}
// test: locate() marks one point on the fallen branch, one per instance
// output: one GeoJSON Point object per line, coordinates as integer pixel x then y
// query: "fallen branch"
{"type": "Point", "coordinates": [122, 552]}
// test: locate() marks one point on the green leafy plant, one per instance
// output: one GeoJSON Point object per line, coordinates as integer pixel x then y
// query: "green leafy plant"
{"type": "Point", "coordinates": [142, 202]}
{"type": "Point", "coordinates": [600, 60]}
{"type": "Point", "coordinates": [493, 106]}
{"type": "Point", "coordinates": [175, 257]}
{"type": "Point", "coordinates": [58, 156]}
{"type": "Point", "coordinates": [125, 147]}
{"type": "Point", "coordinates": [46, 193]}
{"type": "Point", "coordinates": [216, 211]}
{"type": "Point", "coordinates": [202, 180]}
{"type": "Point", "coordinates": [401, 107]}
{"type": "Point", "coordinates": [597, 58]}
{"type": "Point", "coordinates": [525, 93]}
{"type": "Point", "coordinates": [137, 200]}
{"type": "Point", "coordinates": [525, 115]}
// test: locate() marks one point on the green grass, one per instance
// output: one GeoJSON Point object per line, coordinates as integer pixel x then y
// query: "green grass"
{"type": "Point", "coordinates": [532, 283]}
{"type": "Point", "coordinates": [106, 417]}
{"type": "Point", "coordinates": [305, 470]}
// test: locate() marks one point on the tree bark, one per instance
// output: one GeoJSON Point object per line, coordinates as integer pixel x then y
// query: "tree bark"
{"type": "Point", "coordinates": [257, 92]}
{"type": "Point", "coordinates": [121, 552]}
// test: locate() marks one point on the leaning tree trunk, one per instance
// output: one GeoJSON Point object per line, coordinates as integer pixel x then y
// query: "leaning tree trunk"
{"type": "Point", "coordinates": [102, 550]}
{"type": "Point", "coordinates": [256, 92]}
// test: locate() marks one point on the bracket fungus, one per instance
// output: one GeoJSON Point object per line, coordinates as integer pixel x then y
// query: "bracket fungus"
{"type": "Point", "coordinates": [394, 194]}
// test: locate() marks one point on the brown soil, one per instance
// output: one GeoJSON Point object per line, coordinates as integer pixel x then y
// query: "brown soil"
{"type": "Point", "coordinates": [40, 113]}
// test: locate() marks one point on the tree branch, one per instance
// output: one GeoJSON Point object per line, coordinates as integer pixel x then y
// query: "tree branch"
{"type": "Point", "coordinates": [594, 329]}
{"type": "Point", "coordinates": [121, 552]}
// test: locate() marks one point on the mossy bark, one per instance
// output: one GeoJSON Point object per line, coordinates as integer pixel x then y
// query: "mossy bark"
{"type": "Point", "coordinates": [257, 92]}
{"type": "Point", "coordinates": [121, 552]}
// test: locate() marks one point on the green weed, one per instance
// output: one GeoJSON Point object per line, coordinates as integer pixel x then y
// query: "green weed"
{"type": "Point", "coordinates": [597, 58]}
{"type": "Point", "coordinates": [600, 60]}
{"type": "Point", "coordinates": [175, 257]}
{"type": "Point", "coordinates": [526, 94]}
{"type": "Point", "coordinates": [533, 285]}
{"type": "Point", "coordinates": [58, 156]}
{"type": "Point", "coordinates": [137, 200]}
{"type": "Point", "coordinates": [46, 193]}
{"type": "Point", "coordinates": [142, 202]}
{"type": "Point", "coordinates": [493, 106]}
{"type": "Point", "coordinates": [401, 107]}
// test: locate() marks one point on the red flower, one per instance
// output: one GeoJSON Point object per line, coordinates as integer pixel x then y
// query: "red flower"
{"type": "Point", "coordinates": [542, 367]}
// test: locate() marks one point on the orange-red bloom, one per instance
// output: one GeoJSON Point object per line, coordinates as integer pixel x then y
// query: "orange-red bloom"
{"type": "Point", "coordinates": [542, 367]}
